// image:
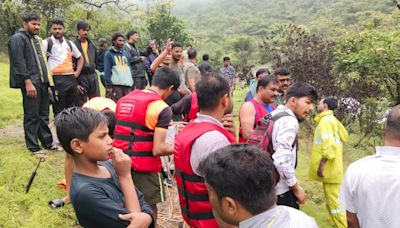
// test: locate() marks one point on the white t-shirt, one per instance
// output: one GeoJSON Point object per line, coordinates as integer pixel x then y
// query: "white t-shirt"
{"type": "Point", "coordinates": [280, 217]}
{"type": "Point", "coordinates": [371, 189]}
{"type": "Point", "coordinates": [283, 137]}
{"type": "Point", "coordinates": [60, 56]}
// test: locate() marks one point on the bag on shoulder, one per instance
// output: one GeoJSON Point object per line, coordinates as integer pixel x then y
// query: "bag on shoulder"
{"type": "Point", "coordinates": [262, 135]}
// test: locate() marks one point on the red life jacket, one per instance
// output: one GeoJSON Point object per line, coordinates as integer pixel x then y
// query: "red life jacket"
{"type": "Point", "coordinates": [131, 134]}
{"type": "Point", "coordinates": [193, 197]}
{"type": "Point", "coordinates": [194, 108]}
{"type": "Point", "coordinates": [260, 113]}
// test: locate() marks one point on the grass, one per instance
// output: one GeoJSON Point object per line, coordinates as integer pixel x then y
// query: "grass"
{"type": "Point", "coordinates": [20, 209]}
{"type": "Point", "coordinates": [11, 100]}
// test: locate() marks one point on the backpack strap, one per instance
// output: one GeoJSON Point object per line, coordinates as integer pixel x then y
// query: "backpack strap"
{"type": "Point", "coordinates": [69, 44]}
{"type": "Point", "coordinates": [49, 46]}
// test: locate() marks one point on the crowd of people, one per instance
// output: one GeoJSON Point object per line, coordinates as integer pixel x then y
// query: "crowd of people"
{"type": "Point", "coordinates": [162, 108]}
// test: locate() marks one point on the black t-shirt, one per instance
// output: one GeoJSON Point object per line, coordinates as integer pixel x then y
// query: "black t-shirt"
{"type": "Point", "coordinates": [98, 201]}
{"type": "Point", "coordinates": [182, 107]}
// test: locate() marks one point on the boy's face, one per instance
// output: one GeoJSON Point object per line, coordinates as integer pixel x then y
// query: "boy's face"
{"type": "Point", "coordinates": [99, 145]}
{"type": "Point", "coordinates": [302, 107]}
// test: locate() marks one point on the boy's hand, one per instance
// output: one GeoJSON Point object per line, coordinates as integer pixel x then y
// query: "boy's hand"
{"type": "Point", "coordinates": [121, 162]}
{"type": "Point", "coordinates": [137, 220]}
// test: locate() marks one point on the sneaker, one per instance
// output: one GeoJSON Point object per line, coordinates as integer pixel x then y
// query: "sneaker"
{"type": "Point", "coordinates": [168, 182]}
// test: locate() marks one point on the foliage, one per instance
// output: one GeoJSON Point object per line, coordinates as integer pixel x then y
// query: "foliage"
{"type": "Point", "coordinates": [309, 57]}
{"type": "Point", "coordinates": [369, 63]}
{"type": "Point", "coordinates": [162, 25]}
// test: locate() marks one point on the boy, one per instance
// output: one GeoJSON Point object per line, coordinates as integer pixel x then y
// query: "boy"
{"type": "Point", "coordinates": [100, 190]}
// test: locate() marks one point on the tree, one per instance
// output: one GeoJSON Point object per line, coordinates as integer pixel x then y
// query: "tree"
{"type": "Point", "coordinates": [161, 25]}
{"type": "Point", "coordinates": [309, 57]}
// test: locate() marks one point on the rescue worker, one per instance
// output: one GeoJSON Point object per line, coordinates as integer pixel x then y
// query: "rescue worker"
{"type": "Point", "coordinates": [195, 142]}
{"type": "Point", "coordinates": [141, 128]}
{"type": "Point", "coordinates": [327, 158]}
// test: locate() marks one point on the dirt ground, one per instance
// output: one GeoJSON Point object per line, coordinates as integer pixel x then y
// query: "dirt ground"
{"type": "Point", "coordinates": [169, 212]}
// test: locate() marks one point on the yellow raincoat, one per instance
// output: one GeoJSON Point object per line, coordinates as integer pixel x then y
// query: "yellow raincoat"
{"type": "Point", "coordinates": [328, 143]}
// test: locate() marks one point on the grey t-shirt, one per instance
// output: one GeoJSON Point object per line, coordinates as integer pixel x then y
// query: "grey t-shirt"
{"type": "Point", "coordinates": [98, 201]}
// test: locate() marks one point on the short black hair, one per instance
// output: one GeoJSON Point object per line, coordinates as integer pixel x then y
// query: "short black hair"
{"type": "Point", "coordinates": [176, 44]}
{"type": "Point", "coordinates": [262, 71]}
{"type": "Point", "coordinates": [282, 71]}
{"type": "Point", "coordinates": [116, 35]}
{"type": "Point", "coordinates": [226, 58]}
{"type": "Point", "coordinates": [30, 16]}
{"type": "Point", "coordinates": [331, 102]}
{"type": "Point", "coordinates": [192, 54]}
{"type": "Point", "coordinates": [302, 89]}
{"type": "Point", "coordinates": [82, 25]}
{"type": "Point", "coordinates": [111, 121]}
{"type": "Point", "coordinates": [264, 81]}
{"type": "Point", "coordinates": [165, 77]}
{"type": "Point", "coordinates": [77, 123]}
{"type": "Point", "coordinates": [130, 33]}
{"type": "Point", "coordinates": [392, 128]}
{"type": "Point", "coordinates": [244, 173]}
{"type": "Point", "coordinates": [206, 57]}
{"type": "Point", "coordinates": [57, 21]}
{"type": "Point", "coordinates": [210, 90]}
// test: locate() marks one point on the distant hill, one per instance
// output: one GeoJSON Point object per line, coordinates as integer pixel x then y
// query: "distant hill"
{"type": "Point", "coordinates": [214, 23]}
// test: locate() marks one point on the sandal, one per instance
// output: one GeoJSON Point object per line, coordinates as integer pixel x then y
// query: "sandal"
{"type": "Point", "coordinates": [56, 203]}
{"type": "Point", "coordinates": [40, 154]}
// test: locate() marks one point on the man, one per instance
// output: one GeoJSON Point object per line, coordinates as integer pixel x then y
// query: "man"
{"type": "Point", "coordinates": [136, 60]}
{"type": "Point", "coordinates": [370, 189]}
{"type": "Point", "coordinates": [253, 83]}
{"type": "Point", "coordinates": [100, 59]}
{"type": "Point", "coordinates": [142, 122]}
{"type": "Point", "coordinates": [326, 157]}
{"type": "Point", "coordinates": [59, 53]}
{"type": "Point", "coordinates": [240, 181]}
{"type": "Point", "coordinates": [117, 73]}
{"type": "Point", "coordinates": [195, 142]}
{"type": "Point", "coordinates": [299, 104]}
{"type": "Point", "coordinates": [228, 71]}
{"type": "Point", "coordinates": [192, 73]}
{"type": "Point", "coordinates": [283, 76]}
{"type": "Point", "coordinates": [88, 83]}
{"type": "Point", "coordinates": [29, 72]}
{"type": "Point", "coordinates": [252, 111]}
{"type": "Point", "coordinates": [173, 50]}
{"type": "Point", "coordinates": [206, 66]}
